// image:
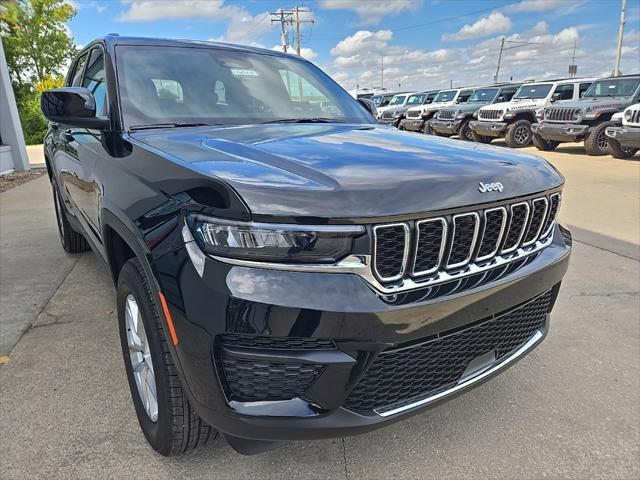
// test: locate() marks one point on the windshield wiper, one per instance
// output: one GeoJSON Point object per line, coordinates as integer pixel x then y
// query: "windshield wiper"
{"type": "Point", "coordinates": [305, 120]}
{"type": "Point", "coordinates": [169, 125]}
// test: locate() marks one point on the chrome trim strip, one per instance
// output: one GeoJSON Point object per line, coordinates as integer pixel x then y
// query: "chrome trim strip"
{"type": "Point", "coordinates": [535, 339]}
{"type": "Point", "coordinates": [546, 233]}
{"type": "Point", "coordinates": [500, 235]}
{"type": "Point", "coordinates": [361, 265]}
{"type": "Point", "coordinates": [285, 227]}
{"type": "Point", "coordinates": [544, 218]}
{"type": "Point", "coordinates": [405, 255]}
{"type": "Point", "coordinates": [443, 245]}
{"type": "Point", "coordinates": [476, 228]}
{"type": "Point", "coordinates": [524, 226]}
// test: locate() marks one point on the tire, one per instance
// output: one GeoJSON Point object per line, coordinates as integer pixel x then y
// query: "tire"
{"type": "Point", "coordinates": [173, 427]}
{"type": "Point", "coordinates": [618, 151]}
{"type": "Point", "coordinates": [72, 241]}
{"type": "Point", "coordinates": [596, 142]}
{"type": "Point", "coordinates": [518, 134]}
{"type": "Point", "coordinates": [480, 138]}
{"type": "Point", "coordinates": [465, 132]}
{"type": "Point", "coordinates": [544, 145]}
{"type": "Point", "coordinates": [426, 128]}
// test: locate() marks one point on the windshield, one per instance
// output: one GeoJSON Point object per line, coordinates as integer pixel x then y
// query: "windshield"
{"type": "Point", "coordinates": [534, 91]}
{"type": "Point", "coordinates": [620, 87]}
{"type": "Point", "coordinates": [376, 99]}
{"type": "Point", "coordinates": [161, 85]}
{"type": "Point", "coordinates": [445, 96]}
{"type": "Point", "coordinates": [483, 95]}
{"type": "Point", "coordinates": [397, 100]}
{"type": "Point", "coordinates": [416, 99]}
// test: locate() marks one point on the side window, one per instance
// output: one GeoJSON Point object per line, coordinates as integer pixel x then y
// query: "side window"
{"type": "Point", "coordinates": [94, 81]}
{"type": "Point", "coordinates": [507, 94]}
{"type": "Point", "coordinates": [464, 96]}
{"type": "Point", "coordinates": [583, 88]}
{"type": "Point", "coordinates": [75, 79]}
{"type": "Point", "coordinates": [563, 92]}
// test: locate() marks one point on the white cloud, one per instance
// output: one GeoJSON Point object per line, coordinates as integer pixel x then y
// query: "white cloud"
{"type": "Point", "coordinates": [540, 28]}
{"type": "Point", "coordinates": [496, 22]}
{"type": "Point", "coordinates": [537, 5]}
{"type": "Point", "coordinates": [242, 27]}
{"type": "Point", "coordinates": [371, 11]}
{"type": "Point", "coordinates": [307, 53]}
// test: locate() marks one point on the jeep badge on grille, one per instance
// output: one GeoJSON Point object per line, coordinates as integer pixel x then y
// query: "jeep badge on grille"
{"type": "Point", "coordinates": [490, 187]}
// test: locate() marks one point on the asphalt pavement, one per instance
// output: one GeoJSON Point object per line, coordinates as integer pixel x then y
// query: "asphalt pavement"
{"type": "Point", "coordinates": [571, 409]}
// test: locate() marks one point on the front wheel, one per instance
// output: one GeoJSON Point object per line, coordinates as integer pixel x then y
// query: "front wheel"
{"type": "Point", "coordinates": [618, 151]}
{"type": "Point", "coordinates": [465, 132]}
{"type": "Point", "coordinates": [518, 134]}
{"type": "Point", "coordinates": [426, 128]}
{"type": "Point", "coordinates": [544, 145]}
{"type": "Point", "coordinates": [596, 142]}
{"type": "Point", "coordinates": [167, 419]}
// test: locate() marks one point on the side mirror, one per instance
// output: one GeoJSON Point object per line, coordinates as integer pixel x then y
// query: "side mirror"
{"type": "Point", "coordinates": [555, 97]}
{"type": "Point", "coordinates": [500, 99]}
{"type": "Point", "coordinates": [369, 106]}
{"type": "Point", "coordinates": [73, 106]}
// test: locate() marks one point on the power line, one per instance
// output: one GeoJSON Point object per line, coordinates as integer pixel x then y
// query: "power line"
{"type": "Point", "coordinates": [290, 17]}
{"type": "Point", "coordinates": [518, 44]}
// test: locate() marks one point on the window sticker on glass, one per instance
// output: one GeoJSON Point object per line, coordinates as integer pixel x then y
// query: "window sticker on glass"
{"type": "Point", "coordinates": [244, 73]}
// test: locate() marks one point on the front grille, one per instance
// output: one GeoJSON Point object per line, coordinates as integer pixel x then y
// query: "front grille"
{"type": "Point", "coordinates": [635, 117]}
{"type": "Point", "coordinates": [413, 113]}
{"type": "Point", "coordinates": [387, 114]}
{"type": "Point", "coordinates": [557, 114]}
{"type": "Point", "coordinates": [405, 373]}
{"type": "Point", "coordinates": [446, 114]}
{"type": "Point", "coordinates": [446, 244]}
{"type": "Point", "coordinates": [489, 114]}
{"type": "Point", "coordinates": [275, 343]}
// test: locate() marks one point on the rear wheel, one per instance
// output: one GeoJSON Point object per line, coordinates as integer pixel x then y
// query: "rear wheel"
{"type": "Point", "coordinates": [465, 132]}
{"type": "Point", "coordinates": [618, 151]}
{"type": "Point", "coordinates": [72, 241]}
{"type": "Point", "coordinates": [426, 128]}
{"type": "Point", "coordinates": [168, 421]}
{"type": "Point", "coordinates": [596, 142]}
{"type": "Point", "coordinates": [544, 145]}
{"type": "Point", "coordinates": [476, 137]}
{"type": "Point", "coordinates": [518, 134]}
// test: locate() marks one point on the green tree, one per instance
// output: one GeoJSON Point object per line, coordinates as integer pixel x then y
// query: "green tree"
{"type": "Point", "coordinates": [38, 48]}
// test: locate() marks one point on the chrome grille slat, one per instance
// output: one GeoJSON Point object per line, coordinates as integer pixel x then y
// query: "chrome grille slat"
{"type": "Point", "coordinates": [557, 114]}
{"type": "Point", "coordinates": [495, 221]}
{"type": "Point", "coordinates": [389, 260]}
{"type": "Point", "coordinates": [518, 218]}
{"type": "Point", "coordinates": [446, 114]}
{"type": "Point", "coordinates": [536, 222]}
{"type": "Point", "coordinates": [490, 114]}
{"type": "Point", "coordinates": [428, 254]}
{"type": "Point", "coordinates": [551, 214]}
{"type": "Point", "coordinates": [463, 239]}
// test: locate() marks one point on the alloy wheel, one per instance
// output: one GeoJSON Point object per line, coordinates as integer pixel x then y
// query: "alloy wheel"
{"type": "Point", "coordinates": [521, 135]}
{"type": "Point", "coordinates": [140, 356]}
{"type": "Point", "coordinates": [602, 141]}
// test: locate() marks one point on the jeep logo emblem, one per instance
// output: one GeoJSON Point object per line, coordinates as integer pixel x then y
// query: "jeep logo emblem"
{"type": "Point", "coordinates": [490, 187]}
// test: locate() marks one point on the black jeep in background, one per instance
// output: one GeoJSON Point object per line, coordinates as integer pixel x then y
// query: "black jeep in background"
{"type": "Point", "coordinates": [285, 267]}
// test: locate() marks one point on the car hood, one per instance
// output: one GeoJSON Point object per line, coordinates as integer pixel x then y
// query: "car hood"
{"type": "Point", "coordinates": [467, 107]}
{"type": "Point", "coordinates": [349, 171]}
{"type": "Point", "coordinates": [524, 104]}
{"type": "Point", "coordinates": [595, 103]}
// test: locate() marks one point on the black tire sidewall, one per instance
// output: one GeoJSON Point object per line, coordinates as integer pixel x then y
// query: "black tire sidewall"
{"type": "Point", "coordinates": [130, 280]}
{"type": "Point", "coordinates": [509, 137]}
{"type": "Point", "coordinates": [616, 150]}
{"type": "Point", "coordinates": [591, 141]}
{"type": "Point", "coordinates": [426, 128]}
{"type": "Point", "coordinates": [61, 219]}
{"type": "Point", "coordinates": [465, 126]}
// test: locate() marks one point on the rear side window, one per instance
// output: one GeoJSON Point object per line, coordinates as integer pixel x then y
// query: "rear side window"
{"type": "Point", "coordinates": [564, 92]}
{"type": "Point", "coordinates": [464, 96]}
{"type": "Point", "coordinates": [94, 81]}
{"type": "Point", "coordinates": [507, 94]}
{"type": "Point", "coordinates": [583, 88]}
{"type": "Point", "coordinates": [75, 77]}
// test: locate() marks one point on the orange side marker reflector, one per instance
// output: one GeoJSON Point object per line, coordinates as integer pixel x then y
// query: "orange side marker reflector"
{"type": "Point", "coordinates": [167, 315]}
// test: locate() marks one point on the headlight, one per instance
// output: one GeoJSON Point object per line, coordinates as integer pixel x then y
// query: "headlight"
{"type": "Point", "coordinates": [628, 114]}
{"type": "Point", "coordinates": [547, 113]}
{"type": "Point", "coordinates": [397, 114]}
{"type": "Point", "coordinates": [577, 114]}
{"type": "Point", "coordinates": [475, 114]}
{"type": "Point", "coordinates": [274, 242]}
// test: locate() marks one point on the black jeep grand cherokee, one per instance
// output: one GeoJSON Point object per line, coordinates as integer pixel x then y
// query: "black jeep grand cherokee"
{"type": "Point", "coordinates": [286, 268]}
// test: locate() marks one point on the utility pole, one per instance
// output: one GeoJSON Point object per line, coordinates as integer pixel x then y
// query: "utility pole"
{"type": "Point", "coordinates": [381, 72]}
{"type": "Point", "coordinates": [616, 71]}
{"type": "Point", "coordinates": [298, 22]}
{"type": "Point", "coordinates": [573, 68]}
{"type": "Point", "coordinates": [280, 17]}
{"type": "Point", "coordinates": [517, 44]}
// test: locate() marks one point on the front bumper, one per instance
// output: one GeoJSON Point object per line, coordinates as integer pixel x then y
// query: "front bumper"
{"type": "Point", "coordinates": [560, 132]}
{"type": "Point", "coordinates": [488, 129]}
{"type": "Point", "coordinates": [412, 124]}
{"type": "Point", "coordinates": [390, 121]}
{"type": "Point", "coordinates": [628, 137]}
{"type": "Point", "coordinates": [446, 127]}
{"type": "Point", "coordinates": [276, 305]}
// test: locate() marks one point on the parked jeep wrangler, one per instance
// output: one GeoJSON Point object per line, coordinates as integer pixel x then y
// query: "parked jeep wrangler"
{"type": "Point", "coordinates": [418, 119]}
{"type": "Point", "coordinates": [456, 120]}
{"type": "Point", "coordinates": [277, 276]}
{"type": "Point", "coordinates": [587, 118]}
{"type": "Point", "coordinates": [398, 100]}
{"type": "Point", "coordinates": [624, 141]}
{"type": "Point", "coordinates": [512, 120]}
{"type": "Point", "coordinates": [393, 115]}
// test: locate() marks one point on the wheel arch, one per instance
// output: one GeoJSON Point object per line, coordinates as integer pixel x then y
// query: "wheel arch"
{"type": "Point", "coordinates": [527, 115]}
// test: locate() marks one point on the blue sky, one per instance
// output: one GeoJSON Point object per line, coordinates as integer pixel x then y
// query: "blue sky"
{"type": "Point", "coordinates": [422, 43]}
